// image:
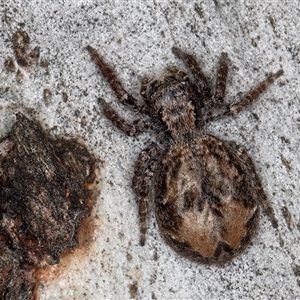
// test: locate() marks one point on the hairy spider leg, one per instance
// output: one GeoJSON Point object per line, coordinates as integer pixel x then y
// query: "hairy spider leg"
{"type": "Point", "coordinates": [130, 129]}
{"type": "Point", "coordinates": [220, 86]}
{"type": "Point", "coordinates": [235, 108]}
{"type": "Point", "coordinates": [141, 183]}
{"type": "Point", "coordinates": [195, 69]}
{"type": "Point", "coordinates": [115, 84]}
{"type": "Point", "coordinates": [203, 87]}
{"type": "Point", "coordinates": [214, 106]}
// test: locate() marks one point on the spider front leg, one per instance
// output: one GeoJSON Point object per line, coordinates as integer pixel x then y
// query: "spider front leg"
{"type": "Point", "coordinates": [195, 69]}
{"type": "Point", "coordinates": [232, 109]}
{"type": "Point", "coordinates": [202, 85]}
{"type": "Point", "coordinates": [115, 84]}
{"type": "Point", "coordinates": [220, 88]}
{"type": "Point", "coordinates": [130, 129]}
{"type": "Point", "coordinates": [141, 183]}
{"type": "Point", "coordinates": [235, 108]}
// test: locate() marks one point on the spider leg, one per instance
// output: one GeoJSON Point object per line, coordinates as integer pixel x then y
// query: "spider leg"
{"type": "Point", "coordinates": [220, 88]}
{"type": "Point", "coordinates": [235, 108]}
{"type": "Point", "coordinates": [203, 87]}
{"type": "Point", "coordinates": [195, 69]}
{"type": "Point", "coordinates": [141, 183]}
{"type": "Point", "coordinates": [247, 161]}
{"type": "Point", "coordinates": [115, 84]}
{"type": "Point", "coordinates": [217, 107]}
{"type": "Point", "coordinates": [224, 110]}
{"type": "Point", "coordinates": [129, 128]}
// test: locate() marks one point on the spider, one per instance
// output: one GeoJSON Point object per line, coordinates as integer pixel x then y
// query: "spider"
{"type": "Point", "coordinates": [206, 192]}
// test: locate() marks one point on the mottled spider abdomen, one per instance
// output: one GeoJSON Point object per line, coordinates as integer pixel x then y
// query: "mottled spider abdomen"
{"type": "Point", "coordinates": [207, 199]}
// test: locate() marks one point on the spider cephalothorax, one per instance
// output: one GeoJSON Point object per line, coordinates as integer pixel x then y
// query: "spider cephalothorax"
{"type": "Point", "coordinates": [206, 191]}
{"type": "Point", "coordinates": [170, 99]}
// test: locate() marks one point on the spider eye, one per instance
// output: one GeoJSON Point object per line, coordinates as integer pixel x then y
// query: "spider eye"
{"type": "Point", "coordinates": [169, 95]}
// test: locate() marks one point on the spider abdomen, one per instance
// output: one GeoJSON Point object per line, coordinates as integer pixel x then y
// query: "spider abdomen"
{"type": "Point", "coordinates": [206, 197]}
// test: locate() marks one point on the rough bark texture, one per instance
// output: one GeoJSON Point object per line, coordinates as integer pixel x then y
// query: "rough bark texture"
{"type": "Point", "coordinates": [45, 185]}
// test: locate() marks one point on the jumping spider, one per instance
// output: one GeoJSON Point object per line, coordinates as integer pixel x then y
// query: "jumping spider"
{"type": "Point", "coordinates": [206, 191]}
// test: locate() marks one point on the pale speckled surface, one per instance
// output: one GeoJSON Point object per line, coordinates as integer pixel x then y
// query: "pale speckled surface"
{"type": "Point", "coordinates": [136, 38]}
